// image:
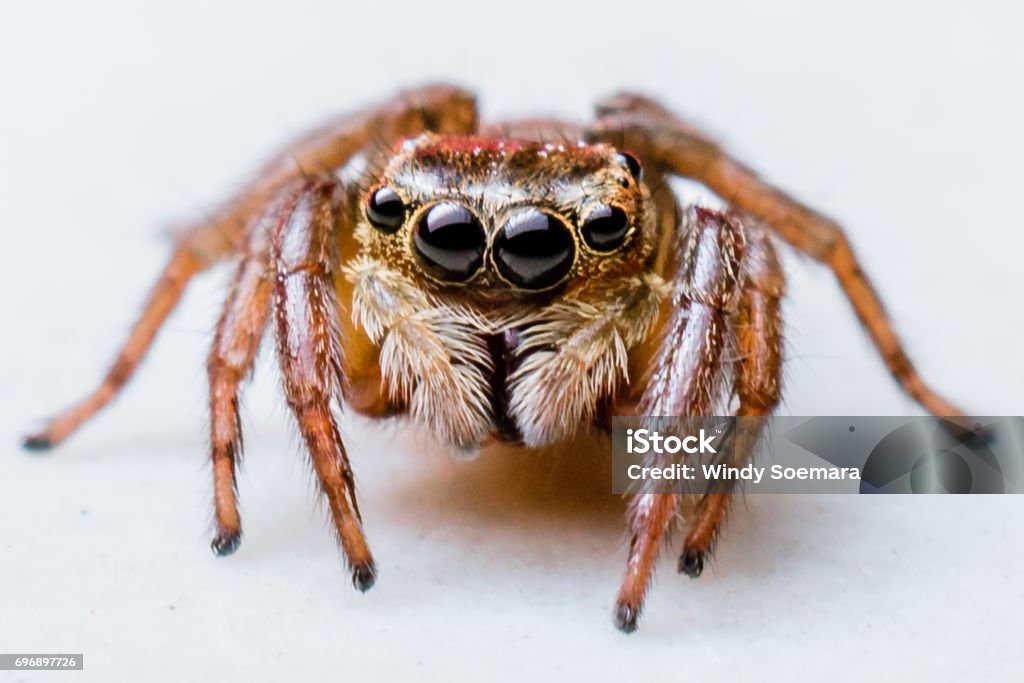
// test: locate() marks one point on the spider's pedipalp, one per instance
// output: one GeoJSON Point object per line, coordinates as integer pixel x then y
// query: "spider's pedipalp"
{"type": "Point", "coordinates": [577, 356]}
{"type": "Point", "coordinates": [432, 360]}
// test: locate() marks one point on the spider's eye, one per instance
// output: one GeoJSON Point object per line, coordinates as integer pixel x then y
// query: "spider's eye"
{"type": "Point", "coordinates": [632, 163]}
{"type": "Point", "coordinates": [449, 241]}
{"type": "Point", "coordinates": [385, 210]}
{"type": "Point", "coordinates": [534, 250]}
{"type": "Point", "coordinates": [606, 227]}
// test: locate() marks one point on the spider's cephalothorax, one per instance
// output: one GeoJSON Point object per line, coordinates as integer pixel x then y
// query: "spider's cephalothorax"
{"type": "Point", "coordinates": [503, 283]}
{"type": "Point", "coordinates": [516, 282]}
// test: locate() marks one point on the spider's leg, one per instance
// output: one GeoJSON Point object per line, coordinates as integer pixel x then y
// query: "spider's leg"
{"type": "Point", "coordinates": [684, 376]}
{"type": "Point", "coordinates": [305, 258]}
{"type": "Point", "coordinates": [439, 108]}
{"type": "Point", "coordinates": [235, 345]}
{"type": "Point", "coordinates": [756, 328]}
{"type": "Point", "coordinates": [652, 132]}
{"type": "Point", "coordinates": [442, 109]}
{"type": "Point", "coordinates": [193, 254]}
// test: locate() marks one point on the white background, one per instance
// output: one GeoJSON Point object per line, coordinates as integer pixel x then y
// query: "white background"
{"type": "Point", "coordinates": [119, 120]}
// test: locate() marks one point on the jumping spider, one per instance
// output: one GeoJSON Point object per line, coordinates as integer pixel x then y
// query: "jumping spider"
{"type": "Point", "coordinates": [511, 282]}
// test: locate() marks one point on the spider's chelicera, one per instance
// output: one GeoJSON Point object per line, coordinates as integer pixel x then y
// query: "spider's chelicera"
{"type": "Point", "coordinates": [514, 282]}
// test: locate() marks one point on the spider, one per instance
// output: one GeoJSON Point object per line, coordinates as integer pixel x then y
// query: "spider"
{"type": "Point", "coordinates": [511, 282]}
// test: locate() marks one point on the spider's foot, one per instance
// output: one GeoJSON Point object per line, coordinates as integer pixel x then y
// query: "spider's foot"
{"type": "Point", "coordinates": [364, 575]}
{"type": "Point", "coordinates": [38, 442]}
{"type": "Point", "coordinates": [226, 542]}
{"type": "Point", "coordinates": [626, 617]}
{"type": "Point", "coordinates": [691, 563]}
{"type": "Point", "coordinates": [962, 430]}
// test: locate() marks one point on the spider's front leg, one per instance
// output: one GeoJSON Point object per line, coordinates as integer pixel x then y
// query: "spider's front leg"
{"type": "Point", "coordinates": [243, 228]}
{"type": "Point", "coordinates": [305, 258]}
{"type": "Point", "coordinates": [726, 296]}
{"type": "Point", "coordinates": [657, 135]}
{"type": "Point", "coordinates": [756, 333]}
{"type": "Point", "coordinates": [438, 108]}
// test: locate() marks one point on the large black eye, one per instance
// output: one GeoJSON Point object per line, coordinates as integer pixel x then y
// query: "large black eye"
{"type": "Point", "coordinates": [605, 228]}
{"type": "Point", "coordinates": [534, 250]}
{"type": "Point", "coordinates": [450, 242]}
{"type": "Point", "coordinates": [385, 210]}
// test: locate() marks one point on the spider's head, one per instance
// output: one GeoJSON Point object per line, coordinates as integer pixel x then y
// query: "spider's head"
{"type": "Point", "coordinates": [497, 219]}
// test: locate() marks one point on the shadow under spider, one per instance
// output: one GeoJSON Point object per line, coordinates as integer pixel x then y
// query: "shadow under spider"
{"type": "Point", "coordinates": [537, 487]}
{"type": "Point", "coordinates": [553, 498]}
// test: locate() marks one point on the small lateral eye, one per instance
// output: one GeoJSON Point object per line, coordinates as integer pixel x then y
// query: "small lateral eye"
{"type": "Point", "coordinates": [631, 163]}
{"type": "Point", "coordinates": [385, 209]}
{"type": "Point", "coordinates": [605, 228]}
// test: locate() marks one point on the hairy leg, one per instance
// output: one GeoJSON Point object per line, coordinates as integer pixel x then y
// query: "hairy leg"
{"type": "Point", "coordinates": [684, 378]}
{"type": "Point", "coordinates": [235, 345]}
{"type": "Point", "coordinates": [649, 130]}
{"type": "Point", "coordinates": [440, 108]}
{"type": "Point", "coordinates": [185, 262]}
{"type": "Point", "coordinates": [757, 371]}
{"type": "Point", "coordinates": [305, 259]}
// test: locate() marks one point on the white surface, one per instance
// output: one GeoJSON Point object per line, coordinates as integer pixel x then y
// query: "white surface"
{"type": "Point", "coordinates": [116, 121]}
